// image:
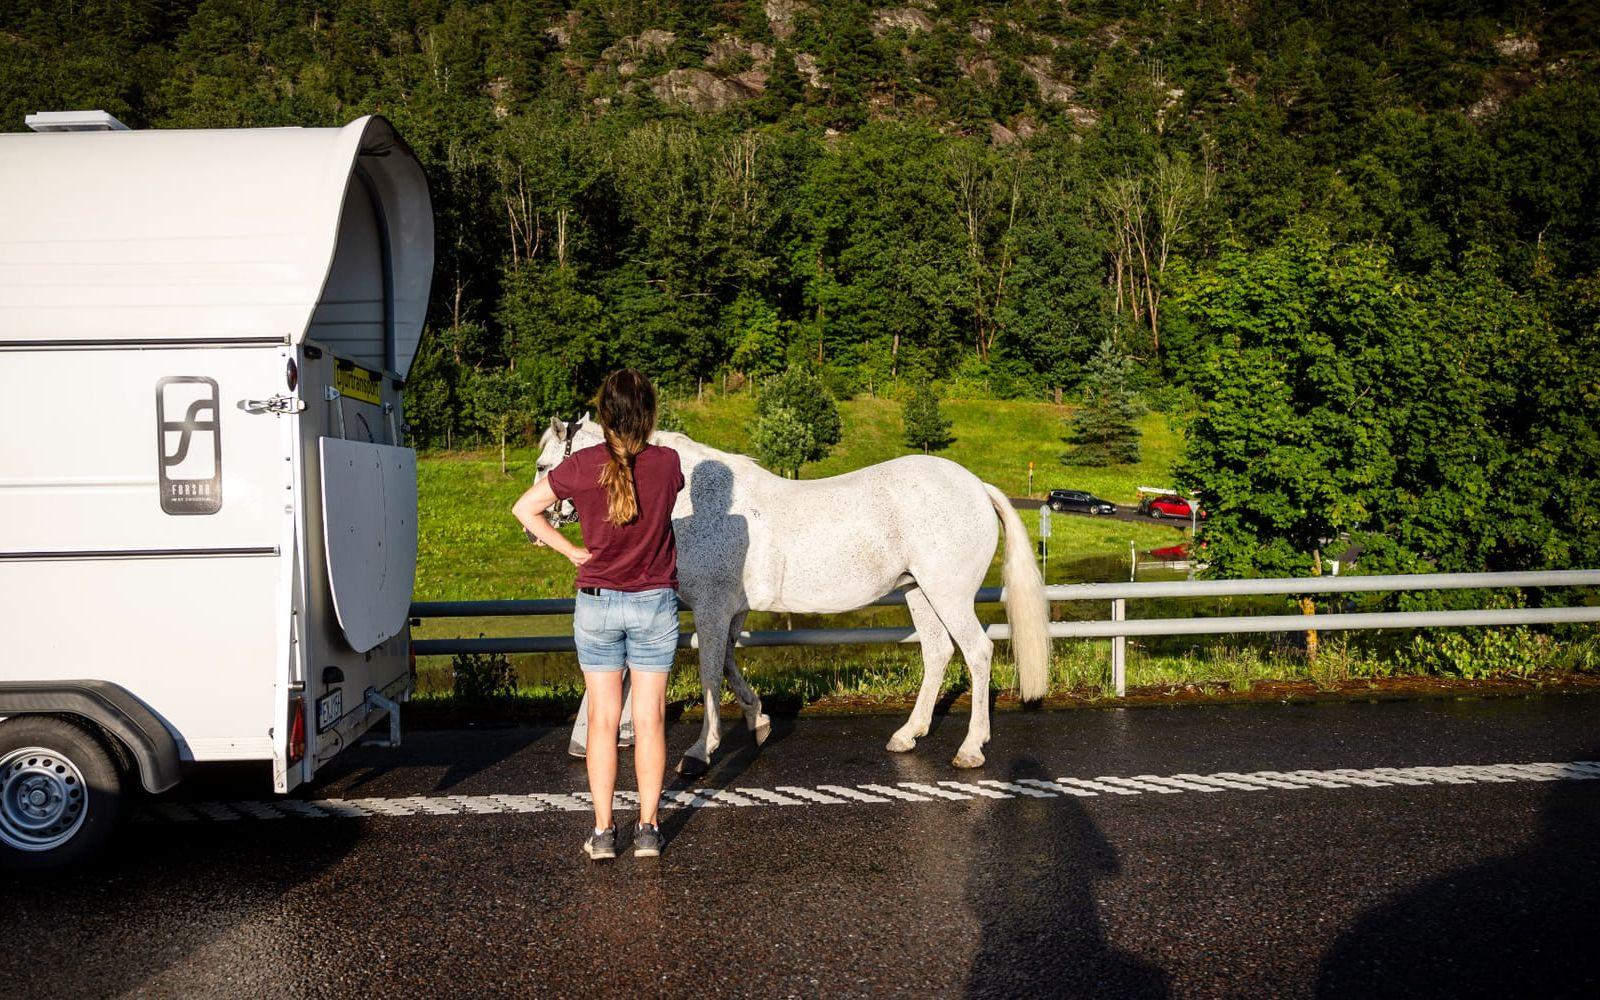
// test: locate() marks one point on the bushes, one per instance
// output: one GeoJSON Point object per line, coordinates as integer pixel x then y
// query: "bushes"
{"type": "Point", "coordinates": [483, 678]}
{"type": "Point", "coordinates": [1474, 654]}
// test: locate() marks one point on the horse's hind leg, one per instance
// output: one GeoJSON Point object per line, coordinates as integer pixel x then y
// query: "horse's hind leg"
{"type": "Point", "coordinates": [977, 649]}
{"type": "Point", "coordinates": [754, 718]}
{"type": "Point", "coordinates": [711, 627]}
{"type": "Point", "coordinates": [936, 650]}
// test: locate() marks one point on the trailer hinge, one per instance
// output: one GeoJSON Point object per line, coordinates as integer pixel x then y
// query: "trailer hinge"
{"type": "Point", "coordinates": [285, 403]}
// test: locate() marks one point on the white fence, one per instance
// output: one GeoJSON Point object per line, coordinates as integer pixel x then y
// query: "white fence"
{"type": "Point", "coordinates": [1117, 627]}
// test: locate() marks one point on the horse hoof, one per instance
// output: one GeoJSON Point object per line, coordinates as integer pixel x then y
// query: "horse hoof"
{"type": "Point", "coordinates": [763, 730]}
{"type": "Point", "coordinates": [901, 744]}
{"type": "Point", "coordinates": [692, 767]}
{"type": "Point", "coordinates": [965, 760]}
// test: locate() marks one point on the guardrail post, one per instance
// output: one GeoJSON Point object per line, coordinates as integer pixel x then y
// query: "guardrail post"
{"type": "Point", "coordinates": [1119, 650]}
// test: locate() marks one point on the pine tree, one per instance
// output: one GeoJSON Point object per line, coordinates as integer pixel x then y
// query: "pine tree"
{"type": "Point", "coordinates": [782, 441]}
{"type": "Point", "coordinates": [783, 90]}
{"type": "Point", "coordinates": [925, 426]}
{"type": "Point", "coordinates": [1103, 432]}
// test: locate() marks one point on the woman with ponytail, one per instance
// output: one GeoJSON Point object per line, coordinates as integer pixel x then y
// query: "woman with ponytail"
{"type": "Point", "coordinates": [626, 615]}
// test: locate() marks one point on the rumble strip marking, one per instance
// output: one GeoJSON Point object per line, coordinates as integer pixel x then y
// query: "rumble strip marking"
{"type": "Point", "coordinates": [874, 794]}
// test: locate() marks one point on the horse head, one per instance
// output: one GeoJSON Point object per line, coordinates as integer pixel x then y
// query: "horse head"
{"type": "Point", "coordinates": [555, 444]}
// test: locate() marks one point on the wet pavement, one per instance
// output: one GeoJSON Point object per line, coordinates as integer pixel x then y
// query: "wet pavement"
{"type": "Point", "coordinates": [1473, 880]}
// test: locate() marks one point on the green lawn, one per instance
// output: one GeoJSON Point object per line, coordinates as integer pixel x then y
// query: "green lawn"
{"type": "Point", "coordinates": [996, 439]}
{"type": "Point", "coordinates": [469, 546]}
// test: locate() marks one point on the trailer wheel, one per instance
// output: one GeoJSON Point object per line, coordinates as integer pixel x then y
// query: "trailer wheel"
{"type": "Point", "coordinates": [60, 794]}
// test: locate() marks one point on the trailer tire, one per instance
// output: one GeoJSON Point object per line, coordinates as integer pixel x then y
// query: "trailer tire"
{"type": "Point", "coordinates": [61, 794]}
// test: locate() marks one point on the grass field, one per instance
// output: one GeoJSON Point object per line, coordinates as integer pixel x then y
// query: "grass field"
{"type": "Point", "coordinates": [469, 547]}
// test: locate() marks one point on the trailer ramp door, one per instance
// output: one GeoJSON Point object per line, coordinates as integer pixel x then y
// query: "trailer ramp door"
{"type": "Point", "coordinates": [369, 526]}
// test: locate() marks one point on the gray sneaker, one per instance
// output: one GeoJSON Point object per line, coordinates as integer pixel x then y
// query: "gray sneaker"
{"type": "Point", "coordinates": [602, 846]}
{"type": "Point", "coordinates": [647, 841]}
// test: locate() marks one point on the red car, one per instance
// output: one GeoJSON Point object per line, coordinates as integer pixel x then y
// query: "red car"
{"type": "Point", "coordinates": [1167, 505]}
{"type": "Point", "coordinates": [1175, 553]}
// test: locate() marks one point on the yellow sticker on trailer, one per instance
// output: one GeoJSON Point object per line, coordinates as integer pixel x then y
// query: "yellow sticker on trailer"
{"type": "Point", "coordinates": [358, 383]}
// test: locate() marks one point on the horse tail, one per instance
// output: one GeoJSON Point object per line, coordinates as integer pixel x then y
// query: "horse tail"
{"type": "Point", "coordinates": [1026, 607]}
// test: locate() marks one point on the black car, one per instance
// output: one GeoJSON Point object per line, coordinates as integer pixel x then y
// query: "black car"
{"type": "Point", "coordinates": [1079, 500]}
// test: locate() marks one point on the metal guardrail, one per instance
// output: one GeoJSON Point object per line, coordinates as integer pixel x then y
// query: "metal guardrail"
{"type": "Point", "coordinates": [1117, 628]}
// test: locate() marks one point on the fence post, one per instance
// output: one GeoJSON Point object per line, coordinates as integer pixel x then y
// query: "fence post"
{"type": "Point", "coordinates": [1119, 650]}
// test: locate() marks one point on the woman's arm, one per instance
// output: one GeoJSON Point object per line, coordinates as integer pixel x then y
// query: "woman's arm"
{"type": "Point", "coordinates": [529, 510]}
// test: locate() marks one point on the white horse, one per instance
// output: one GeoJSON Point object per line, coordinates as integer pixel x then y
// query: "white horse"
{"type": "Point", "coordinates": [749, 540]}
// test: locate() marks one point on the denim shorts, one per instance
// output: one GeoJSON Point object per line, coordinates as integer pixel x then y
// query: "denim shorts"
{"type": "Point", "coordinates": [617, 627]}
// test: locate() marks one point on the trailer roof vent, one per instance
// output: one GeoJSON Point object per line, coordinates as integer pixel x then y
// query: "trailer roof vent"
{"type": "Point", "coordinates": [74, 121]}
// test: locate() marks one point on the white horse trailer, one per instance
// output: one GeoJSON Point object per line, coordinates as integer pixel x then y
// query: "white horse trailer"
{"type": "Point", "coordinates": [207, 515]}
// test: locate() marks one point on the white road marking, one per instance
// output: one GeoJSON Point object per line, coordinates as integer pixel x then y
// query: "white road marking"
{"type": "Point", "coordinates": [772, 797]}
{"type": "Point", "coordinates": [1268, 783]}
{"type": "Point", "coordinates": [1177, 784]}
{"type": "Point", "coordinates": [1137, 786]}
{"type": "Point", "coordinates": [565, 803]}
{"type": "Point", "coordinates": [256, 809]}
{"type": "Point", "coordinates": [1054, 787]}
{"type": "Point", "coordinates": [1395, 774]}
{"type": "Point", "coordinates": [724, 796]}
{"type": "Point", "coordinates": [1018, 787]}
{"type": "Point", "coordinates": [520, 803]}
{"type": "Point", "coordinates": [1209, 779]}
{"type": "Point", "coordinates": [1304, 780]}
{"type": "Point", "coordinates": [938, 793]}
{"type": "Point", "coordinates": [680, 797]}
{"type": "Point", "coordinates": [1094, 786]}
{"type": "Point", "coordinates": [814, 796]}
{"type": "Point", "coordinates": [988, 793]}
{"type": "Point", "coordinates": [898, 793]}
{"type": "Point", "coordinates": [342, 809]}
{"type": "Point", "coordinates": [851, 793]}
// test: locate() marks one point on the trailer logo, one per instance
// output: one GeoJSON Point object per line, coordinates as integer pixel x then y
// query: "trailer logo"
{"type": "Point", "coordinates": [190, 446]}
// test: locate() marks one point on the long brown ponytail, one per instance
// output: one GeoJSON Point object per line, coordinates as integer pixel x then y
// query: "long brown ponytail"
{"type": "Point", "coordinates": [626, 408]}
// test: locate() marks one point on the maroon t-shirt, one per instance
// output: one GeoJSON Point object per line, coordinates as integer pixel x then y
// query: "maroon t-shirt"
{"type": "Point", "coordinates": [640, 555]}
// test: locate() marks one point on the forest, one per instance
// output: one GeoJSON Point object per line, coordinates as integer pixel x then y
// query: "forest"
{"type": "Point", "coordinates": [1353, 247]}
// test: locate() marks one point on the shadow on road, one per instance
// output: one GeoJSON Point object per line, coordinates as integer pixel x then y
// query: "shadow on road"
{"type": "Point", "coordinates": [1040, 929]}
{"type": "Point", "coordinates": [1521, 925]}
{"type": "Point", "coordinates": [732, 760]}
{"type": "Point", "coordinates": [454, 762]}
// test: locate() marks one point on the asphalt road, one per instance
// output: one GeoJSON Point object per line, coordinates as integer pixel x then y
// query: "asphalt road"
{"type": "Point", "coordinates": [1265, 851]}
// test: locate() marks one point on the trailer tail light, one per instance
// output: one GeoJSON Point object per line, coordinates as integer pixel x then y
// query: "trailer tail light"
{"type": "Point", "coordinates": [297, 730]}
{"type": "Point", "coordinates": [291, 375]}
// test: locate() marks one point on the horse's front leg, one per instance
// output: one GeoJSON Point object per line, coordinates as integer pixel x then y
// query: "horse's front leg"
{"type": "Point", "coordinates": [711, 629]}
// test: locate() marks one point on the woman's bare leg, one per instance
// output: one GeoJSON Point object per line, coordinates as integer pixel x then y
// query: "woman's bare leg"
{"type": "Point", "coordinates": [649, 739]}
{"type": "Point", "coordinates": [604, 689]}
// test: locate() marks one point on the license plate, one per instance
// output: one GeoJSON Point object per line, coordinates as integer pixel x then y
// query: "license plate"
{"type": "Point", "coordinates": [330, 707]}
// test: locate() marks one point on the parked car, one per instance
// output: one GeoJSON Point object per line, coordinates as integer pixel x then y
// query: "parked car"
{"type": "Point", "coordinates": [1167, 505]}
{"type": "Point", "coordinates": [1061, 500]}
